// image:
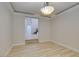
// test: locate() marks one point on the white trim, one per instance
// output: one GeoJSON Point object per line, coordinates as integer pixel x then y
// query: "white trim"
{"type": "Point", "coordinates": [18, 44]}
{"type": "Point", "coordinates": [8, 51]}
{"type": "Point", "coordinates": [44, 41]}
{"type": "Point", "coordinates": [66, 46]}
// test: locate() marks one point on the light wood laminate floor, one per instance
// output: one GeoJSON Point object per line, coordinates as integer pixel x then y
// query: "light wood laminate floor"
{"type": "Point", "coordinates": [47, 49]}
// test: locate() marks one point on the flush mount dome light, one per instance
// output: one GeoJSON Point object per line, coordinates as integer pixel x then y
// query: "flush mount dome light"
{"type": "Point", "coordinates": [47, 10]}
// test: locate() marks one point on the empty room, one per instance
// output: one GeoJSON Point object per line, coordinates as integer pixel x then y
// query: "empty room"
{"type": "Point", "coordinates": [39, 29]}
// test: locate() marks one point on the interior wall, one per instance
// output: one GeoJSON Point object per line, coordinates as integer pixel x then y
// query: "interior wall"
{"type": "Point", "coordinates": [44, 28]}
{"type": "Point", "coordinates": [5, 29]}
{"type": "Point", "coordinates": [19, 29]}
{"type": "Point", "coordinates": [65, 28]}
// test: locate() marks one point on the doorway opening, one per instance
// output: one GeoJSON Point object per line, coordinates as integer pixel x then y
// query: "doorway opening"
{"type": "Point", "coordinates": [31, 30]}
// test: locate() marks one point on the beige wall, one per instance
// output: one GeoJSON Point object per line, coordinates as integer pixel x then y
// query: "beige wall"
{"type": "Point", "coordinates": [18, 29]}
{"type": "Point", "coordinates": [5, 29]}
{"type": "Point", "coordinates": [44, 29]}
{"type": "Point", "coordinates": [65, 28]}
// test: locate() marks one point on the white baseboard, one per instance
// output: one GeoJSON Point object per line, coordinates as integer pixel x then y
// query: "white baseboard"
{"type": "Point", "coordinates": [66, 46]}
{"type": "Point", "coordinates": [18, 44]}
{"type": "Point", "coordinates": [8, 51]}
{"type": "Point", "coordinates": [10, 48]}
{"type": "Point", "coordinates": [41, 41]}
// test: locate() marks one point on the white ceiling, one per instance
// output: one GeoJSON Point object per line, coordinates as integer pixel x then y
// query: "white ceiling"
{"type": "Point", "coordinates": [34, 7]}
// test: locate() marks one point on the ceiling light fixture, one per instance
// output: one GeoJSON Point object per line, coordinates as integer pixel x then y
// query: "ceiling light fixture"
{"type": "Point", "coordinates": [47, 10]}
